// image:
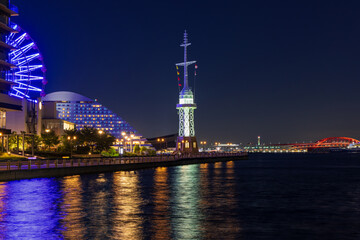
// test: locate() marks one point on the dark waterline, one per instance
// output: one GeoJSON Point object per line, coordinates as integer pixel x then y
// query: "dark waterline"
{"type": "Point", "coordinates": [266, 197]}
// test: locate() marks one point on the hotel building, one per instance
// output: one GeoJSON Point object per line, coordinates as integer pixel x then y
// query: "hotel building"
{"type": "Point", "coordinates": [83, 112]}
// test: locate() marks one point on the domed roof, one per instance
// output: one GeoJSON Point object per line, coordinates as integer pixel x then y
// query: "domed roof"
{"type": "Point", "coordinates": [65, 96]}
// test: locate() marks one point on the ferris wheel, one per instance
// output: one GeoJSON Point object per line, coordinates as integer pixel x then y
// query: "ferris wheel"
{"type": "Point", "coordinates": [28, 76]}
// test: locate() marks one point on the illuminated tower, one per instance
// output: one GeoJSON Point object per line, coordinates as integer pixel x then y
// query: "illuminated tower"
{"type": "Point", "coordinates": [186, 141]}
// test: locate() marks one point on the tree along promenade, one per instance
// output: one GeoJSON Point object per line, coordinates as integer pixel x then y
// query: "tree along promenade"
{"type": "Point", "coordinates": [34, 168]}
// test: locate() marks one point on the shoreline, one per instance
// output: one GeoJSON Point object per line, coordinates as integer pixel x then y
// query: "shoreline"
{"type": "Point", "coordinates": [10, 175]}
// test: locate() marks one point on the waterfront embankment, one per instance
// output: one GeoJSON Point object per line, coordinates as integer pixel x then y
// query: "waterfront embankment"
{"type": "Point", "coordinates": [39, 168]}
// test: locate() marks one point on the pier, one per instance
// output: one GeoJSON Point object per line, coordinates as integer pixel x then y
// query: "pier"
{"type": "Point", "coordinates": [37, 168]}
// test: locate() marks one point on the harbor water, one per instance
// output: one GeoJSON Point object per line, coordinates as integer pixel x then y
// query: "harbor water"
{"type": "Point", "coordinates": [275, 196]}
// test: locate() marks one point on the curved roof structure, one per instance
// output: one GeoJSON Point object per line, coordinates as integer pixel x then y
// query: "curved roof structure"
{"type": "Point", "coordinates": [65, 96]}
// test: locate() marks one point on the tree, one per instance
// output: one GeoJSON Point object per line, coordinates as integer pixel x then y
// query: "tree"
{"type": "Point", "coordinates": [88, 136]}
{"type": "Point", "coordinates": [71, 133]}
{"type": "Point", "coordinates": [14, 137]}
{"type": "Point", "coordinates": [104, 141]}
{"type": "Point", "coordinates": [29, 142]}
{"type": "Point", "coordinates": [143, 150]}
{"type": "Point", "coordinates": [13, 141]}
{"type": "Point", "coordinates": [92, 138]}
{"type": "Point", "coordinates": [137, 149]}
{"type": "Point", "coordinates": [50, 139]}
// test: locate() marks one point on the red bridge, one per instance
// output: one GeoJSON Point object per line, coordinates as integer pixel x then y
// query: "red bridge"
{"type": "Point", "coordinates": [332, 142]}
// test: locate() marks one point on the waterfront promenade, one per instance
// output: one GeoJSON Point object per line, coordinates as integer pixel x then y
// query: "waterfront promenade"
{"type": "Point", "coordinates": [33, 168]}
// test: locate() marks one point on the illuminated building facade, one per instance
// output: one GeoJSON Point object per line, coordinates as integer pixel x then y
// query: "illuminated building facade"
{"type": "Point", "coordinates": [186, 141]}
{"type": "Point", "coordinates": [7, 103]}
{"type": "Point", "coordinates": [84, 112]}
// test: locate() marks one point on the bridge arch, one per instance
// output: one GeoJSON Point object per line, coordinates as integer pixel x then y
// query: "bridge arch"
{"type": "Point", "coordinates": [335, 141]}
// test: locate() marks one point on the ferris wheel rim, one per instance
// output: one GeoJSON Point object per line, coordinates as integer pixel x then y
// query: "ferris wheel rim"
{"type": "Point", "coordinates": [27, 74]}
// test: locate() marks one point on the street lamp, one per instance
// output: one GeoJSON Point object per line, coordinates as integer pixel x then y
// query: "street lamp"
{"type": "Point", "coordinates": [47, 130]}
{"type": "Point", "coordinates": [71, 144]}
{"type": "Point", "coordinates": [132, 136]}
{"type": "Point", "coordinates": [203, 143]}
{"type": "Point", "coordinates": [2, 142]}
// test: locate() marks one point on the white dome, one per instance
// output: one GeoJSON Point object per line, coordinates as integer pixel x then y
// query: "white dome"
{"type": "Point", "coordinates": [65, 96]}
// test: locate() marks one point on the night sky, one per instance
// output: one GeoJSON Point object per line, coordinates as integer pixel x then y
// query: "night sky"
{"type": "Point", "coordinates": [286, 70]}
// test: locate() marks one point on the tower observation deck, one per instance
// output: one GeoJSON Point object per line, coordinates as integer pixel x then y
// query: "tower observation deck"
{"type": "Point", "coordinates": [186, 141]}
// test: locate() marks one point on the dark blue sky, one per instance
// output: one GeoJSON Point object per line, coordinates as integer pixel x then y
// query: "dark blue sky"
{"type": "Point", "coordinates": [285, 70]}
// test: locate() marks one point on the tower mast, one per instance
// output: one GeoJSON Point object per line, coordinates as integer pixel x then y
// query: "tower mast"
{"type": "Point", "coordinates": [185, 64]}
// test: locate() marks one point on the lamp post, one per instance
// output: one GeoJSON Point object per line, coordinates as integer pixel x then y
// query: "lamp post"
{"type": "Point", "coordinates": [71, 144]}
{"type": "Point", "coordinates": [2, 142]}
{"type": "Point", "coordinates": [132, 136]}
{"type": "Point", "coordinates": [163, 140]}
{"type": "Point", "coordinates": [203, 143]}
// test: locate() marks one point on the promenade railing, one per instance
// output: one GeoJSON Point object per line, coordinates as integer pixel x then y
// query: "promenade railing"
{"type": "Point", "coordinates": [8, 165]}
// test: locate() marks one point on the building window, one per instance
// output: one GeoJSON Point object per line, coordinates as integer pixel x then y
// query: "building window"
{"type": "Point", "coordinates": [187, 145]}
{"type": "Point", "coordinates": [194, 144]}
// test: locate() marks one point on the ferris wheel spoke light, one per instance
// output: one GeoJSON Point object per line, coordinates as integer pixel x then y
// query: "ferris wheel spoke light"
{"type": "Point", "coordinates": [25, 87]}
{"type": "Point", "coordinates": [31, 78]}
{"type": "Point", "coordinates": [19, 93]}
{"type": "Point", "coordinates": [22, 69]}
{"type": "Point", "coordinates": [18, 40]}
{"type": "Point", "coordinates": [29, 75]}
{"type": "Point", "coordinates": [21, 51]}
{"type": "Point", "coordinates": [24, 60]}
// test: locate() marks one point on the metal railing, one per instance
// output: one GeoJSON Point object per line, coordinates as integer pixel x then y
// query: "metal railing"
{"type": "Point", "coordinates": [85, 162]}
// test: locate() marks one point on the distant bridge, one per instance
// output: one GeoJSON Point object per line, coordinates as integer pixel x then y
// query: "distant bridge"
{"type": "Point", "coordinates": [331, 142]}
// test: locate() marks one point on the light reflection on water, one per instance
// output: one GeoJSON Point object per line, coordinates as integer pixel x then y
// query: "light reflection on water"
{"type": "Point", "coordinates": [221, 189]}
{"type": "Point", "coordinates": [31, 209]}
{"type": "Point", "coordinates": [73, 226]}
{"type": "Point", "coordinates": [186, 215]}
{"type": "Point", "coordinates": [161, 220]}
{"type": "Point", "coordinates": [264, 199]}
{"type": "Point", "coordinates": [127, 220]}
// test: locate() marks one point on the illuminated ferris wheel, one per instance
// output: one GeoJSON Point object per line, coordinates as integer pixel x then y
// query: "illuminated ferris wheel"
{"type": "Point", "coordinates": [28, 76]}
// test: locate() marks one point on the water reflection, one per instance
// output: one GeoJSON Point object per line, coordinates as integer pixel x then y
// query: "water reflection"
{"type": "Point", "coordinates": [232, 200]}
{"type": "Point", "coordinates": [219, 199]}
{"type": "Point", "coordinates": [161, 220]}
{"type": "Point", "coordinates": [127, 220]}
{"type": "Point", "coordinates": [30, 209]}
{"type": "Point", "coordinates": [3, 194]}
{"type": "Point", "coordinates": [72, 207]}
{"type": "Point", "coordinates": [186, 215]}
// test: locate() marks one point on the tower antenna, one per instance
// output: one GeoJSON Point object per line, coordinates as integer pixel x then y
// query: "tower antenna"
{"type": "Point", "coordinates": [186, 63]}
